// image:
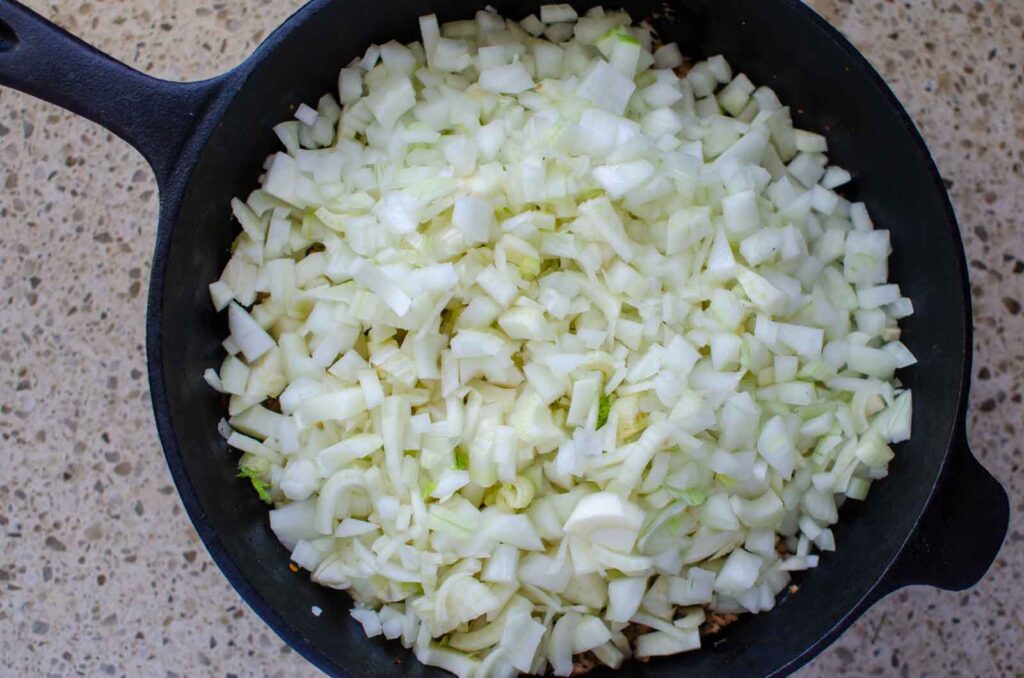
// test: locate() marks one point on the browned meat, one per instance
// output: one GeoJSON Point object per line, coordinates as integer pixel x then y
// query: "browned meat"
{"type": "Point", "coordinates": [585, 663]}
{"type": "Point", "coordinates": [715, 622]}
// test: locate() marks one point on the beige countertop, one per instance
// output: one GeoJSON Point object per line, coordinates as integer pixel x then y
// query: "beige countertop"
{"type": "Point", "coordinates": [101, 572]}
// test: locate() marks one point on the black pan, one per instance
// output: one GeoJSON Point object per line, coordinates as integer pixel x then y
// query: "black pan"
{"type": "Point", "coordinates": [939, 519]}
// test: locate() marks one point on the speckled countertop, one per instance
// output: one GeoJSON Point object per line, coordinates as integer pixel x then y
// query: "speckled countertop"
{"type": "Point", "coordinates": [101, 572]}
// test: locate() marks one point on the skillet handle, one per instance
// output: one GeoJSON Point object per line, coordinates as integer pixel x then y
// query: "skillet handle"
{"type": "Point", "coordinates": [960, 532]}
{"type": "Point", "coordinates": [155, 116]}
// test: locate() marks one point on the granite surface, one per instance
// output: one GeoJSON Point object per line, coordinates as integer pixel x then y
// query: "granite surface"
{"type": "Point", "coordinates": [101, 572]}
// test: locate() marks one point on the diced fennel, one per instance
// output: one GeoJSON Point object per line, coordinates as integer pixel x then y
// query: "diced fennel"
{"type": "Point", "coordinates": [531, 339]}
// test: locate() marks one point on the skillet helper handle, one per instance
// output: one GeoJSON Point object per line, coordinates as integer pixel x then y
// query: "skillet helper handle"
{"type": "Point", "coordinates": [960, 532]}
{"type": "Point", "coordinates": [155, 116]}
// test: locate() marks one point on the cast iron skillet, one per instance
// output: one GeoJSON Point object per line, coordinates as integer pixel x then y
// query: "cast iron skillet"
{"type": "Point", "coordinates": [938, 520]}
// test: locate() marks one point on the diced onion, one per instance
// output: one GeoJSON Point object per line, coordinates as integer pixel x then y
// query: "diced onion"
{"type": "Point", "coordinates": [532, 339]}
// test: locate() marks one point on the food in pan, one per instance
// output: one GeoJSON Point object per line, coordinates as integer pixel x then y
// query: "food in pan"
{"type": "Point", "coordinates": [544, 346]}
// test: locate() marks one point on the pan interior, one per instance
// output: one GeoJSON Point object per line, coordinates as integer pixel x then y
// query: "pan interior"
{"type": "Point", "coordinates": [777, 43]}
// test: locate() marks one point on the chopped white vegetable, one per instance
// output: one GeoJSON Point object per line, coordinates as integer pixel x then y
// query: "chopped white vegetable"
{"type": "Point", "coordinates": [532, 339]}
{"type": "Point", "coordinates": [507, 79]}
{"type": "Point", "coordinates": [551, 14]}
